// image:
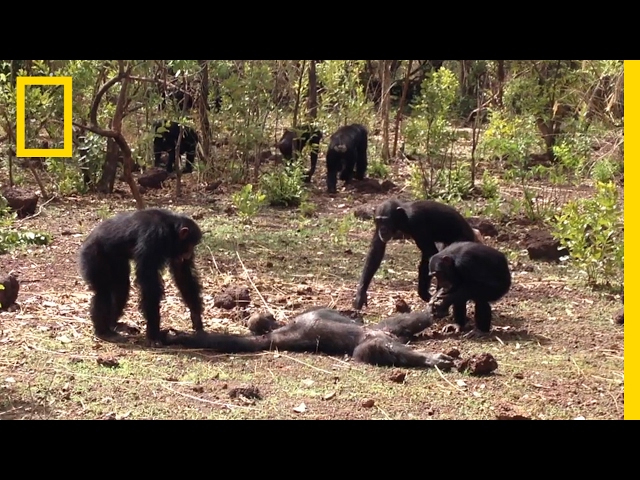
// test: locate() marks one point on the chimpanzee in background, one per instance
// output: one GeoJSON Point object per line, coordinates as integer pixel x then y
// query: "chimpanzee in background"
{"type": "Point", "coordinates": [165, 139]}
{"type": "Point", "coordinates": [347, 152]}
{"type": "Point", "coordinates": [152, 238]}
{"type": "Point", "coordinates": [293, 142]}
{"type": "Point", "coordinates": [427, 223]}
{"type": "Point", "coordinates": [327, 331]}
{"type": "Point", "coordinates": [469, 271]}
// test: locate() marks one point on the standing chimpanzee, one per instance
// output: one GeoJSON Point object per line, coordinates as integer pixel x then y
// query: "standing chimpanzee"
{"type": "Point", "coordinates": [427, 223]}
{"type": "Point", "coordinates": [327, 331]}
{"type": "Point", "coordinates": [152, 238]}
{"type": "Point", "coordinates": [165, 139]}
{"type": "Point", "coordinates": [293, 142]}
{"type": "Point", "coordinates": [347, 152]}
{"type": "Point", "coordinates": [469, 271]}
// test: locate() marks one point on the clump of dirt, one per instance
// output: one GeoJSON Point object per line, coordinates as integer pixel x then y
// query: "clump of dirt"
{"type": "Point", "coordinates": [618, 318]}
{"type": "Point", "coordinates": [398, 376]}
{"type": "Point", "coordinates": [402, 306]}
{"type": "Point", "coordinates": [541, 245]}
{"type": "Point", "coordinates": [9, 294]}
{"type": "Point", "coordinates": [371, 185]}
{"type": "Point", "coordinates": [153, 178]}
{"type": "Point", "coordinates": [249, 392]}
{"type": "Point", "coordinates": [481, 364]}
{"type": "Point", "coordinates": [453, 353]}
{"type": "Point", "coordinates": [484, 226]}
{"type": "Point", "coordinates": [109, 362]}
{"type": "Point", "coordinates": [232, 297]}
{"type": "Point", "coordinates": [364, 212]}
{"type": "Point", "coordinates": [21, 201]}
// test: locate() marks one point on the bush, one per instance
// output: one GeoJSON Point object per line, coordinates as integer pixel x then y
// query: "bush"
{"type": "Point", "coordinates": [593, 232]}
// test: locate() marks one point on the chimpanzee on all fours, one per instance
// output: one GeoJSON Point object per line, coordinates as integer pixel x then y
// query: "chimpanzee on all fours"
{"type": "Point", "coordinates": [347, 155]}
{"type": "Point", "coordinates": [327, 331]}
{"type": "Point", "coordinates": [427, 223]}
{"type": "Point", "coordinates": [165, 139]}
{"type": "Point", "coordinates": [152, 238]}
{"type": "Point", "coordinates": [468, 271]}
{"type": "Point", "coordinates": [293, 142]}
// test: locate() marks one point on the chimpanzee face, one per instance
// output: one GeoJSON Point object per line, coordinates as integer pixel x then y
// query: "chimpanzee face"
{"type": "Point", "coordinates": [385, 227]}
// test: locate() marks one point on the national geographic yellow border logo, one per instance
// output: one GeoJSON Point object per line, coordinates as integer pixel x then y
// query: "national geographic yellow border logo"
{"type": "Point", "coordinates": [67, 85]}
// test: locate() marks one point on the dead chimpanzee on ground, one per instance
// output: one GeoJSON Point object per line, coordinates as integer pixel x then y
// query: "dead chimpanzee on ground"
{"type": "Point", "coordinates": [468, 271]}
{"type": "Point", "coordinates": [152, 238]}
{"type": "Point", "coordinates": [293, 142]}
{"type": "Point", "coordinates": [427, 223]}
{"type": "Point", "coordinates": [327, 331]}
{"type": "Point", "coordinates": [165, 139]}
{"type": "Point", "coordinates": [347, 153]}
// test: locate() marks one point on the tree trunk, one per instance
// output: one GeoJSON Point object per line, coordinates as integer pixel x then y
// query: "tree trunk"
{"type": "Point", "coordinates": [312, 97]}
{"type": "Point", "coordinates": [296, 108]}
{"type": "Point", "coordinates": [405, 89]}
{"type": "Point", "coordinates": [501, 78]}
{"type": "Point", "coordinates": [385, 65]}
{"type": "Point", "coordinates": [205, 126]}
{"type": "Point", "coordinates": [109, 168]}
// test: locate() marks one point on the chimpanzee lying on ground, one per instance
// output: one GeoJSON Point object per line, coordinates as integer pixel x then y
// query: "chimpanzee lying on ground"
{"type": "Point", "coordinates": [468, 271]}
{"type": "Point", "coordinates": [165, 139]}
{"type": "Point", "coordinates": [427, 223]}
{"type": "Point", "coordinates": [347, 152]}
{"type": "Point", "coordinates": [322, 330]}
{"type": "Point", "coordinates": [152, 238]}
{"type": "Point", "coordinates": [293, 142]}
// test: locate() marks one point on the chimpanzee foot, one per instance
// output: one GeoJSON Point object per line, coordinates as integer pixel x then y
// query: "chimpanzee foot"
{"type": "Point", "coordinates": [475, 333]}
{"type": "Point", "coordinates": [126, 327]}
{"type": "Point", "coordinates": [451, 328]}
{"type": "Point", "coordinates": [440, 360]}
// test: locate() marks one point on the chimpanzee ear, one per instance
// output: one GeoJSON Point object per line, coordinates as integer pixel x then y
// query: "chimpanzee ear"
{"type": "Point", "coordinates": [447, 260]}
{"type": "Point", "coordinates": [400, 213]}
{"type": "Point", "coordinates": [183, 233]}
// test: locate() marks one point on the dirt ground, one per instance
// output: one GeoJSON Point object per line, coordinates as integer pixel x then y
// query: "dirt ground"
{"type": "Point", "coordinates": [559, 356]}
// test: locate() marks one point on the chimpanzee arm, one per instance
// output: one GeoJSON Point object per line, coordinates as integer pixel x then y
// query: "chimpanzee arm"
{"type": "Point", "coordinates": [428, 249]}
{"type": "Point", "coordinates": [371, 265]}
{"type": "Point", "coordinates": [186, 278]}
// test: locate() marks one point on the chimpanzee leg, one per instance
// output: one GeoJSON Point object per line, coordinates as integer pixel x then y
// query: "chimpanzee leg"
{"type": "Point", "coordinates": [102, 312]}
{"type": "Point", "coordinates": [171, 159]}
{"type": "Point", "coordinates": [191, 158]}
{"type": "Point", "coordinates": [151, 292]}
{"type": "Point", "coordinates": [388, 353]}
{"type": "Point", "coordinates": [361, 164]}
{"type": "Point", "coordinates": [157, 153]}
{"type": "Point", "coordinates": [332, 174]}
{"type": "Point", "coordinates": [120, 293]}
{"type": "Point", "coordinates": [314, 162]}
{"type": "Point", "coordinates": [483, 316]}
{"type": "Point", "coordinates": [184, 275]}
{"type": "Point", "coordinates": [349, 164]}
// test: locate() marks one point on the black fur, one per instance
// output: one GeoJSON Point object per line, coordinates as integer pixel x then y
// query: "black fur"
{"type": "Point", "coordinates": [347, 155]}
{"type": "Point", "coordinates": [322, 330]}
{"type": "Point", "coordinates": [167, 141]}
{"type": "Point", "coordinates": [467, 271]}
{"type": "Point", "coordinates": [152, 238]}
{"type": "Point", "coordinates": [427, 223]}
{"type": "Point", "coordinates": [293, 142]}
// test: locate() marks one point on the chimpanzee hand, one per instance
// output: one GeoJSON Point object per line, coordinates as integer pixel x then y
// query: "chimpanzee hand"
{"type": "Point", "coordinates": [440, 360]}
{"type": "Point", "coordinates": [360, 300]}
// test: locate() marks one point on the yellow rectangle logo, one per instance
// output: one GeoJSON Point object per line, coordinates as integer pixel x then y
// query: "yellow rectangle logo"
{"type": "Point", "coordinates": [67, 86]}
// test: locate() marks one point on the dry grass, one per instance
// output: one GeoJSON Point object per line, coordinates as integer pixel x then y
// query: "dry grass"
{"type": "Point", "coordinates": [559, 355]}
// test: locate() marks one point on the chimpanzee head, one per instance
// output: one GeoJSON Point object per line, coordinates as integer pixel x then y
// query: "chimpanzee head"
{"type": "Point", "coordinates": [390, 217]}
{"type": "Point", "coordinates": [442, 267]}
{"type": "Point", "coordinates": [189, 235]}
